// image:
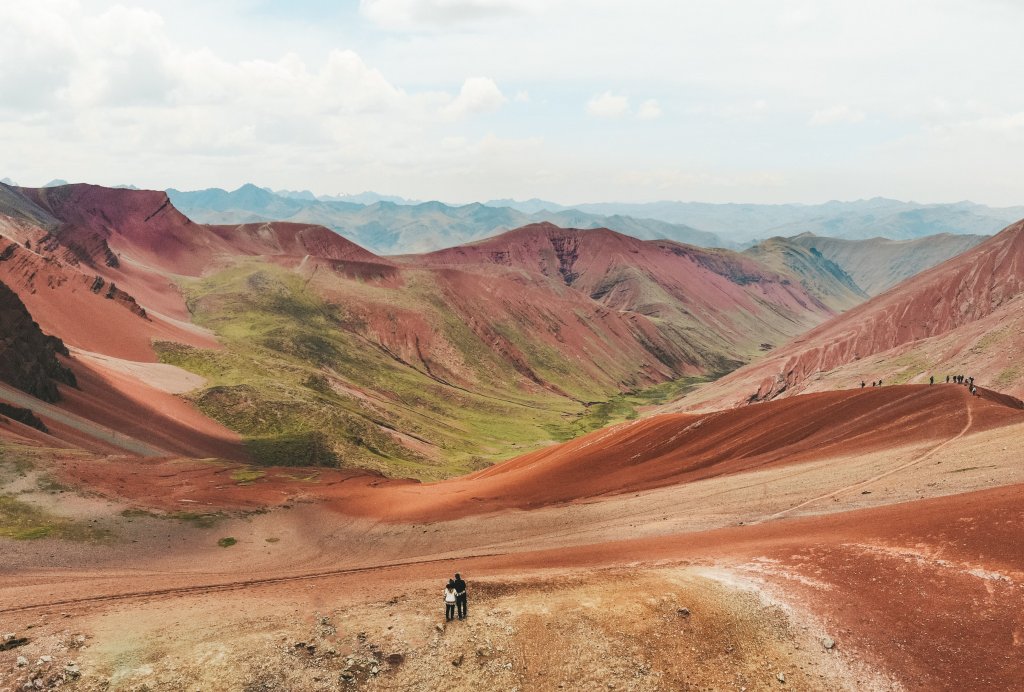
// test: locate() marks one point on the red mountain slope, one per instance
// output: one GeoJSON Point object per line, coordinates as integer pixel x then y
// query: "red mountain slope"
{"type": "Point", "coordinates": [724, 296]}
{"type": "Point", "coordinates": [962, 316]}
{"type": "Point", "coordinates": [679, 448]}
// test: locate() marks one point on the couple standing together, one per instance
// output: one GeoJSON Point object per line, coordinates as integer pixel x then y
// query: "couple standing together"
{"type": "Point", "coordinates": [455, 595]}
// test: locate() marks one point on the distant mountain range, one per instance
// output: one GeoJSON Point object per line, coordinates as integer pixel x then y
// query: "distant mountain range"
{"type": "Point", "coordinates": [878, 264]}
{"type": "Point", "coordinates": [388, 227]}
{"type": "Point", "coordinates": [395, 225]}
{"type": "Point", "coordinates": [743, 223]}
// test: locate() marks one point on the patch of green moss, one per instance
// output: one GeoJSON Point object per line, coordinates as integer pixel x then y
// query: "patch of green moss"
{"type": "Point", "coordinates": [625, 407]}
{"type": "Point", "coordinates": [247, 476]}
{"type": "Point", "coordinates": [135, 512]}
{"type": "Point", "coordinates": [48, 484]}
{"type": "Point", "coordinates": [197, 519]}
{"type": "Point", "coordinates": [227, 542]}
{"type": "Point", "coordinates": [22, 521]}
{"type": "Point", "coordinates": [13, 464]}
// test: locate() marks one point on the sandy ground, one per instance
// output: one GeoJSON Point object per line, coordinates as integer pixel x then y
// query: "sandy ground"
{"type": "Point", "coordinates": [166, 378]}
{"type": "Point", "coordinates": [906, 561]}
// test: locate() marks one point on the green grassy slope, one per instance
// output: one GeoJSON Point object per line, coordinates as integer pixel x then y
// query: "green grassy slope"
{"type": "Point", "coordinates": [301, 380]}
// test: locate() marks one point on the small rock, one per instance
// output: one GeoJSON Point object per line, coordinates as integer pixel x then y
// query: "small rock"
{"type": "Point", "coordinates": [483, 651]}
{"type": "Point", "coordinates": [12, 642]}
{"type": "Point", "coordinates": [44, 659]}
{"type": "Point", "coordinates": [22, 661]}
{"type": "Point", "coordinates": [374, 670]}
{"type": "Point", "coordinates": [508, 666]}
{"type": "Point", "coordinates": [781, 677]}
{"type": "Point", "coordinates": [685, 612]}
{"type": "Point", "coordinates": [347, 675]}
{"type": "Point", "coordinates": [396, 659]}
{"type": "Point", "coordinates": [457, 661]}
{"type": "Point", "coordinates": [72, 670]}
{"type": "Point", "coordinates": [439, 627]}
{"type": "Point", "coordinates": [828, 642]}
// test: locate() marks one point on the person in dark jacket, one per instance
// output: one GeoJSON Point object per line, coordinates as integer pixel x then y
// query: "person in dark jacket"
{"type": "Point", "coordinates": [460, 595]}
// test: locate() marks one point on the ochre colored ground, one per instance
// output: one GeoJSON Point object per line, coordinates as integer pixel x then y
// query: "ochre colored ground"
{"type": "Point", "coordinates": [887, 521]}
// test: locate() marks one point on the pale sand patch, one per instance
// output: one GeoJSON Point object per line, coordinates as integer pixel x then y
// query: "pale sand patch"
{"type": "Point", "coordinates": [162, 376]}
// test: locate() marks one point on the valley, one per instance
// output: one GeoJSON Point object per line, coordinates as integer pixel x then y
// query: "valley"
{"type": "Point", "coordinates": [247, 457]}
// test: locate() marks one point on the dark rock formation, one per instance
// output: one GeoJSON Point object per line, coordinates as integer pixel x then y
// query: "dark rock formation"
{"type": "Point", "coordinates": [22, 415]}
{"type": "Point", "coordinates": [28, 358]}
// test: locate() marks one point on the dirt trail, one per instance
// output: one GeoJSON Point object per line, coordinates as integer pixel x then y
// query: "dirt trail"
{"type": "Point", "coordinates": [874, 479]}
{"type": "Point", "coordinates": [91, 429]}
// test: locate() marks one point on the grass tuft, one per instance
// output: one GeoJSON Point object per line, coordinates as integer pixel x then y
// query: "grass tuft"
{"type": "Point", "coordinates": [22, 521]}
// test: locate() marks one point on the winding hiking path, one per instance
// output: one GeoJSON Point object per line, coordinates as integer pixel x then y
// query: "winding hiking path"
{"type": "Point", "coordinates": [874, 479]}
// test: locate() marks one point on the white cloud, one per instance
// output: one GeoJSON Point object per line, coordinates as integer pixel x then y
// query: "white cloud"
{"type": "Point", "coordinates": [608, 105]}
{"type": "Point", "coordinates": [412, 14]}
{"type": "Point", "coordinates": [836, 115]}
{"type": "Point", "coordinates": [307, 95]}
{"type": "Point", "coordinates": [649, 110]}
{"type": "Point", "coordinates": [478, 95]}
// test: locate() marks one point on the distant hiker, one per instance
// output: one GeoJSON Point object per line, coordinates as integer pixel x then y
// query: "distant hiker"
{"type": "Point", "coordinates": [879, 383]}
{"type": "Point", "coordinates": [947, 379]}
{"type": "Point", "coordinates": [972, 380]}
{"type": "Point", "coordinates": [460, 595]}
{"type": "Point", "coordinates": [974, 390]}
{"type": "Point", "coordinates": [449, 601]}
{"type": "Point", "coordinates": [873, 383]}
{"type": "Point", "coordinates": [931, 380]}
{"type": "Point", "coordinates": [862, 384]}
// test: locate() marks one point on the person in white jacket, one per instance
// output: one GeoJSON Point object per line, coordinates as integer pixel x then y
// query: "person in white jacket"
{"type": "Point", "coordinates": [449, 601]}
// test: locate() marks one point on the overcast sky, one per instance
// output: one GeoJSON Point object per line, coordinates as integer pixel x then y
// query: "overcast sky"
{"type": "Point", "coordinates": [568, 100]}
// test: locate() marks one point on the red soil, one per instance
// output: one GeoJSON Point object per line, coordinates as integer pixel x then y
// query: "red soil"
{"type": "Point", "coordinates": [615, 269]}
{"type": "Point", "coordinates": [122, 403]}
{"type": "Point", "coordinates": [677, 448]}
{"type": "Point", "coordinates": [964, 290]}
{"type": "Point", "coordinates": [61, 299]}
{"type": "Point", "coordinates": [929, 591]}
{"type": "Point", "coordinates": [651, 453]}
{"type": "Point", "coordinates": [292, 240]}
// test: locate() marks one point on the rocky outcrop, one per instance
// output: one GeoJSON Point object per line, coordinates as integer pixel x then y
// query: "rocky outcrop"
{"type": "Point", "coordinates": [24, 416]}
{"type": "Point", "coordinates": [28, 358]}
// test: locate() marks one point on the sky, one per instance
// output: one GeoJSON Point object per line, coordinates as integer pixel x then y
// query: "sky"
{"type": "Point", "coordinates": [567, 100]}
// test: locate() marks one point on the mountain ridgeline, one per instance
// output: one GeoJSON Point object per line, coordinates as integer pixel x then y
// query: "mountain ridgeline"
{"type": "Point", "coordinates": [315, 349]}
{"type": "Point", "coordinates": [962, 316]}
{"type": "Point", "coordinates": [387, 227]}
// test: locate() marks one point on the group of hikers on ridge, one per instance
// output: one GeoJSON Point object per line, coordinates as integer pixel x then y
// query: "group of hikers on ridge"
{"type": "Point", "coordinates": [455, 597]}
{"type": "Point", "coordinates": [964, 380]}
{"type": "Point", "coordinates": [955, 379]}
